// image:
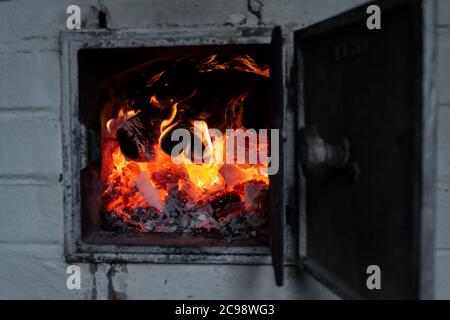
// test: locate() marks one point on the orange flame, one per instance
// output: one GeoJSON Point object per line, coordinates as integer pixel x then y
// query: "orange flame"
{"type": "Point", "coordinates": [122, 116]}
{"type": "Point", "coordinates": [198, 180]}
{"type": "Point", "coordinates": [154, 101]}
{"type": "Point", "coordinates": [241, 63]}
{"type": "Point", "coordinates": [167, 124]}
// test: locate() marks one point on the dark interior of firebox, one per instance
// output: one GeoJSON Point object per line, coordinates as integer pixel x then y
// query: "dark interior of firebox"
{"type": "Point", "coordinates": [131, 100]}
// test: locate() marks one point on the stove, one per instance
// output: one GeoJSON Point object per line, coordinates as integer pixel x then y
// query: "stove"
{"type": "Point", "coordinates": [351, 139]}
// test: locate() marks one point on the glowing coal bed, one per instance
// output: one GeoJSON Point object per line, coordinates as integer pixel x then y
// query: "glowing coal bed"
{"type": "Point", "coordinates": [144, 190]}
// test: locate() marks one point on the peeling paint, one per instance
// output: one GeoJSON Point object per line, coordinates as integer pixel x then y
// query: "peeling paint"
{"type": "Point", "coordinates": [116, 292]}
{"type": "Point", "coordinates": [104, 16]}
{"type": "Point", "coordinates": [93, 271]}
{"type": "Point", "coordinates": [255, 7]}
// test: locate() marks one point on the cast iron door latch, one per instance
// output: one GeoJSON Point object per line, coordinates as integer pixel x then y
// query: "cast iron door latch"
{"type": "Point", "coordinates": [318, 158]}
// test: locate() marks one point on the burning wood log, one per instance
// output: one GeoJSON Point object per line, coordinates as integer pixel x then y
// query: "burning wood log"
{"type": "Point", "coordinates": [167, 144]}
{"type": "Point", "coordinates": [138, 136]}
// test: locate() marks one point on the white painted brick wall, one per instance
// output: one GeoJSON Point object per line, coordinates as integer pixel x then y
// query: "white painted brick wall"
{"type": "Point", "coordinates": [31, 226]}
{"type": "Point", "coordinates": [443, 210]}
{"type": "Point", "coordinates": [443, 143]}
{"type": "Point", "coordinates": [444, 12]}
{"type": "Point", "coordinates": [30, 147]}
{"type": "Point", "coordinates": [443, 181]}
{"type": "Point", "coordinates": [29, 24]}
{"type": "Point", "coordinates": [37, 271]}
{"type": "Point", "coordinates": [442, 274]}
{"type": "Point", "coordinates": [31, 214]}
{"type": "Point", "coordinates": [30, 79]}
{"type": "Point", "coordinates": [25, 19]}
{"type": "Point", "coordinates": [304, 12]}
{"type": "Point", "coordinates": [141, 13]}
{"type": "Point", "coordinates": [444, 65]}
{"type": "Point", "coordinates": [222, 282]}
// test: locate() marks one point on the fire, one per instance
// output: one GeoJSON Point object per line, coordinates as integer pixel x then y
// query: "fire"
{"type": "Point", "coordinates": [154, 101]}
{"type": "Point", "coordinates": [123, 116]}
{"type": "Point", "coordinates": [206, 175]}
{"type": "Point", "coordinates": [151, 184]}
{"type": "Point", "coordinates": [241, 63]}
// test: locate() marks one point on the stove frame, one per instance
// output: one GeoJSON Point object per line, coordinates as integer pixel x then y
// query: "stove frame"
{"type": "Point", "coordinates": [75, 148]}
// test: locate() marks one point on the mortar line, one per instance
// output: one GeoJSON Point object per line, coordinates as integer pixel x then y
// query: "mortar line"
{"type": "Point", "coordinates": [29, 112]}
{"type": "Point", "coordinates": [28, 180]}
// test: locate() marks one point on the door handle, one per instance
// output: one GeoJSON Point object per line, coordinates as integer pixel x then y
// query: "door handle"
{"type": "Point", "coordinates": [318, 158]}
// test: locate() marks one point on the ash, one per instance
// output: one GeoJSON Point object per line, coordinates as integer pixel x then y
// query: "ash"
{"type": "Point", "coordinates": [222, 215]}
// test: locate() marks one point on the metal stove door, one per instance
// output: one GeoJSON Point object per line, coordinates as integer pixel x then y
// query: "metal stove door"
{"type": "Point", "coordinates": [366, 114]}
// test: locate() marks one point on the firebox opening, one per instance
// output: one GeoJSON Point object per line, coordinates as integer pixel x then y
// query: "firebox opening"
{"type": "Point", "coordinates": [132, 102]}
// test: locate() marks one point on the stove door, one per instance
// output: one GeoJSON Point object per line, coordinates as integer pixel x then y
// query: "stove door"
{"type": "Point", "coordinates": [366, 109]}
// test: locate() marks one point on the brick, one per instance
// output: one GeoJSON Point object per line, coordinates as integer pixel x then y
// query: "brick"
{"type": "Point", "coordinates": [444, 65]}
{"type": "Point", "coordinates": [141, 13]}
{"type": "Point", "coordinates": [444, 12]}
{"type": "Point", "coordinates": [32, 25]}
{"type": "Point", "coordinates": [304, 12]}
{"type": "Point", "coordinates": [30, 147]}
{"type": "Point", "coordinates": [442, 282]}
{"type": "Point", "coordinates": [30, 79]}
{"type": "Point", "coordinates": [30, 271]}
{"type": "Point", "coordinates": [443, 213]}
{"type": "Point", "coordinates": [31, 214]}
{"type": "Point", "coordinates": [218, 282]}
{"type": "Point", "coordinates": [443, 136]}
{"type": "Point", "coordinates": [36, 272]}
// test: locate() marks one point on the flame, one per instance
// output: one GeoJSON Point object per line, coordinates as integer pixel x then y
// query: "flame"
{"type": "Point", "coordinates": [240, 63]}
{"type": "Point", "coordinates": [122, 116]}
{"type": "Point", "coordinates": [198, 180]}
{"type": "Point", "coordinates": [203, 133]}
{"type": "Point", "coordinates": [167, 124]}
{"type": "Point", "coordinates": [251, 66]}
{"type": "Point", "coordinates": [154, 101]}
{"type": "Point", "coordinates": [206, 175]}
